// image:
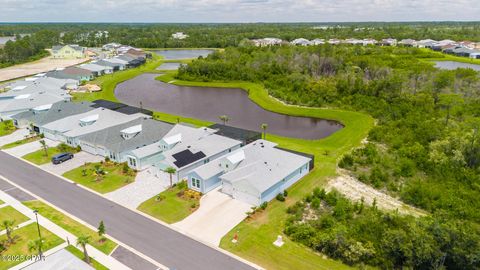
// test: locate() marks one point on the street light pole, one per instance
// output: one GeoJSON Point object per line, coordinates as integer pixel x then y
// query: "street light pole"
{"type": "Point", "coordinates": [39, 235]}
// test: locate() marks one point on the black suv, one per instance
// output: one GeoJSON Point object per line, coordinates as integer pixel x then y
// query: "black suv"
{"type": "Point", "coordinates": [57, 159]}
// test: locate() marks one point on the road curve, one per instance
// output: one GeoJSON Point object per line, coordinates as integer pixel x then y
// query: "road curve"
{"type": "Point", "coordinates": [153, 239]}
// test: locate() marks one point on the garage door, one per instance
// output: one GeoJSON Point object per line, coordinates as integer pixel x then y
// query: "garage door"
{"type": "Point", "coordinates": [88, 148]}
{"type": "Point", "coordinates": [245, 197]}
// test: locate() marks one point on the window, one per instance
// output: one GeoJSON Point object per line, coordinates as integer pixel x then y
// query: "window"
{"type": "Point", "coordinates": [229, 150]}
{"type": "Point", "coordinates": [195, 182]}
{"type": "Point", "coordinates": [132, 162]}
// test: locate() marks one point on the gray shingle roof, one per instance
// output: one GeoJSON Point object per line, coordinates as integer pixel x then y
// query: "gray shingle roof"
{"type": "Point", "coordinates": [152, 131]}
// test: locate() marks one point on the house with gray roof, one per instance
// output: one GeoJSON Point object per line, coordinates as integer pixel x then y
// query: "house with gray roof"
{"type": "Point", "coordinates": [41, 116]}
{"type": "Point", "coordinates": [69, 129]}
{"type": "Point", "coordinates": [97, 69]}
{"type": "Point", "coordinates": [22, 103]}
{"type": "Point", "coordinates": [254, 174]}
{"type": "Point", "coordinates": [75, 73]}
{"type": "Point", "coordinates": [116, 65]}
{"type": "Point", "coordinates": [114, 142]}
{"type": "Point", "coordinates": [182, 148]}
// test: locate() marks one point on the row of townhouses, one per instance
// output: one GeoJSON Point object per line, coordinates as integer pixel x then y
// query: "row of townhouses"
{"type": "Point", "coordinates": [462, 48]}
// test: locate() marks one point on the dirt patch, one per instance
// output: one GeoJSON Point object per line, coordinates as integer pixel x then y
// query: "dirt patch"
{"type": "Point", "coordinates": [356, 190]}
{"type": "Point", "coordinates": [40, 66]}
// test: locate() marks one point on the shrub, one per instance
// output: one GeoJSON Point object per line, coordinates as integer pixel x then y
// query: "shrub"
{"type": "Point", "coordinates": [125, 168]}
{"type": "Point", "coordinates": [315, 203]}
{"type": "Point", "coordinates": [346, 162]}
{"type": "Point", "coordinates": [182, 185]}
{"type": "Point", "coordinates": [285, 193]}
{"type": "Point", "coordinates": [193, 205]}
{"type": "Point", "coordinates": [264, 205]}
{"type": "Point", "coordinates": [63, 147]}
{"type": "Point", "coordinates": [160, 197]}
{"type": "Point", "coordinates": [280, 197]}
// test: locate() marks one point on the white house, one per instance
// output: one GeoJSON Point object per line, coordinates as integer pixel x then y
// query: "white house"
{"type": "Point", "coordinates": [179, 35]}
{"type": "Point", "coordinates": [253, 174]}
{"type": "Point", "coordinates": [301, 42]}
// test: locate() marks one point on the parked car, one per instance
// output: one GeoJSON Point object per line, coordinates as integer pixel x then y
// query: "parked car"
{"type": "Point", "coordinates": [57, 159]}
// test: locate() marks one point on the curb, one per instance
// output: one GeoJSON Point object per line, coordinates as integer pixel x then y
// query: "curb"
{"type": "Point", "coordinates": [131, 209]}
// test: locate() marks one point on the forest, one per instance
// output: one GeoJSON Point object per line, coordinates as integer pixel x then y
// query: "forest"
{"type": "Point", "coordinates": [226, 35]}
{"type": "Point", "coordinates": [27, 48]}
{"type": "Point", "coordinates": [424, 149]}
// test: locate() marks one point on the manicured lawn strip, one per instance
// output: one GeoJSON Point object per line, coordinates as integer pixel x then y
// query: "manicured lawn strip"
{"type": "Point", "coordinates": [257, 235]}
{"type": "Point", "coordinates": [79, 254]}
{"type": "Point", "coordinates": [170, 118]}
{"type": "Point", "coordinates": [109, 82]}
{"type": "Point", "coordinates": [112, 180]}
{"type": "Point", "coordinates": [9, 213]}
{"type": "Point", "coordinates": [27, 234]}
{"type": "Point", "coordinates": [171, 208]}
{"type": "Point", "coordinates": [6, 127]}
{"type": "Point", "coordinates": [38, 157]}
{"type": "Point", "coordinates": [20, 142]}
{"type": "Point", "coordinates": [71, 225]}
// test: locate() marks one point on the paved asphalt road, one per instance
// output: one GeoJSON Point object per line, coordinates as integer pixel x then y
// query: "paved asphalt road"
{"type": "Point", "coordinates": [159, 242]}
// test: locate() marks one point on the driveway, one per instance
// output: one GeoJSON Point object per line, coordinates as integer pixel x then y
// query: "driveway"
{"type": "Point", "coordinates": [13, 137]}
{"type": "Point", "coordinates": [78, 160]}
{"type": "Point", "coordinates": [218, 214]}
{"type": "Point", "coordinates": [27, 148]}
{"type": "Point", "coordinates": [146, 186]}
{"type": "Point", "coordinates": [149, 237]}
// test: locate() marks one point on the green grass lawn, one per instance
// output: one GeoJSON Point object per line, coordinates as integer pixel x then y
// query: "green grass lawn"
{"type": "Point", "coordinates": [20, 142]}
{"type": "Point", "coordinates": [26, 234]}
{"type": "Point", "coordinates": [71, 225]}
{"type": "Point", "coordinates": [113, 179]}
{"type": "Point", "coordinates": [9, 213]}
{"type": "Point", "coordinates": [79, 254]}
{"type": "Point", "coordinates": [257, 235]}
{"type": "Point", "coordinates": [6, 127]}
{"type": "Point", "coordinates": [108, 82]}
{"type": "Point", "coordinates": [38, 157]}
{"type": "Point", "coordinates": [1, 202]}
{"type": "Point", "coordinates": [172, 207]}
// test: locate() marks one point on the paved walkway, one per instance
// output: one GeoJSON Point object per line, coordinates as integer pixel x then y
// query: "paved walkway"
{"type": "Point", "coordinates": [149, 237]}
{"type": "Point", "coordinates": [60, 260]}
{"type": "Point", "coordinates": [146, 186]}
{"type": "Point", "coordinates": [54, 228]}
{"type": "Point", "coordinates": [218, 214]}
{"type": "Point", "coordinates": [28, 148]}
{"type": "Point", "coordinates": [78, 160]}
{"type": "Point", "coordinates": [17, 135]}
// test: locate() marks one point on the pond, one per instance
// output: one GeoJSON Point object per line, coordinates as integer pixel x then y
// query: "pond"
{"type": "Point", "coordinates": [182, 54]}
{"type": "Point", "coordinates": [209, 103]}
{"type": "Point", "coordinates": [451, 65]}
{"type": "Point", "coordinates": [169, 66]}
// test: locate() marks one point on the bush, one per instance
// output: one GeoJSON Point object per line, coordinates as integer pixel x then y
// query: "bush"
{"type": "Point", "coordinates": [285, 193]}
{"type": "Point", "coordinates": [264, 205]}
{"type": "Point", "coordinates": [125, 168]}
{"type": "Point", "coordinates": [193, 205]}
{"type": "Point", "coordinates": [63, 147]}
{"type": "Point", "coordinates": [280, 197]}
{"type": "Point", "coordinates": [315, 203]}
{"type": "Point", "coordinates": [346, 162]}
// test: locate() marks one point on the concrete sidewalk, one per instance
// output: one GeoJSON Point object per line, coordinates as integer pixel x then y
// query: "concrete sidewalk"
{"type": "Point", "coordinates": [30, 147]}
{"type": "Point", "coordinates": [101, 257]}
{"type": "Point", "coordinates": [17, 135]}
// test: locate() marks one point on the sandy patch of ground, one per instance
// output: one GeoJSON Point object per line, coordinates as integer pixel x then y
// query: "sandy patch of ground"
{"type": "Point", "coordinates": [356, 190]}
{"type": "Point", "coordinates": [40, 66]}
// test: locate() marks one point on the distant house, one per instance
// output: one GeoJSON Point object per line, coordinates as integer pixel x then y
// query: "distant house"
{"type": "Point", "coordinates": [334, 41]}
{"type": "Point", "coordinates": [389, 42]}
{"type": "Point", "coordinates": [97, 69]}
{"type": "Point", "coordinates": [179, 35]}
{"type": "Point", "coordinates": [301, 42]}
{"type": "Point", "coordinates": [254, 174]}
{"type": "Point", "coordinates": [116, 65]}
{"type": "Point", "coordinates": [475, 55]}
{"type": "Point", "coordinates": [461, 51]}
{"type": "Point", "coordinates": [22, 103]}
{"type": "Point", "coordinates": [318, 41]}
{"type": "Point", "coordinates": [263, 42]}
{"type": "Point", "coordinates": [407, 42]}
{"type": "Point", "coordinates": [426, 43]}
{"type": "Point", "coordinates": [111, 46]}
{"type": "Point", "coordinates": [369, 41]}
{"type": "Point", "coordinates": [68, 52]}
{"type": "Point", "coordinates": [75, 73]}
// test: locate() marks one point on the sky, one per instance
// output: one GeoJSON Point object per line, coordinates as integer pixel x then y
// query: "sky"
{"type": "Point", "coordinates": [237, 10]}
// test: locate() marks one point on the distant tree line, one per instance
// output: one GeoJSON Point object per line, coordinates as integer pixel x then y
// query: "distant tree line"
{"type": "Point", "coordinates": [424, 149]}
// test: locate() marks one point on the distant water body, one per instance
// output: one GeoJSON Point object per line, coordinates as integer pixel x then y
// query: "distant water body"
{"type": "Point", "coordinates": [452, 65]}
{"type": "Point", "coordinates": [182, 54]}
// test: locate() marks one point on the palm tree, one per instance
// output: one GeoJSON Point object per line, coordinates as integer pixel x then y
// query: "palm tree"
{"type": "Point", "coordinates": [44, 147]}
{"type": "Point", "coordinates": [171, 171]}
{"type": "Point", "coordinates": [224, 118]}
{"type": "Point", "coordinates": [35, 245]}
{"type": "Point", "coordinates": [9, 226]}
{"type": "Point", "coordinates": [84, 241]}
{"type": "Point", "coordinates": [264, 129]}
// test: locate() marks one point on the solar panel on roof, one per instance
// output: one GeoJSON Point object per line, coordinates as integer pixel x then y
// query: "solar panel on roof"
{"type": "Point", "coordinates": [186, 157]}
